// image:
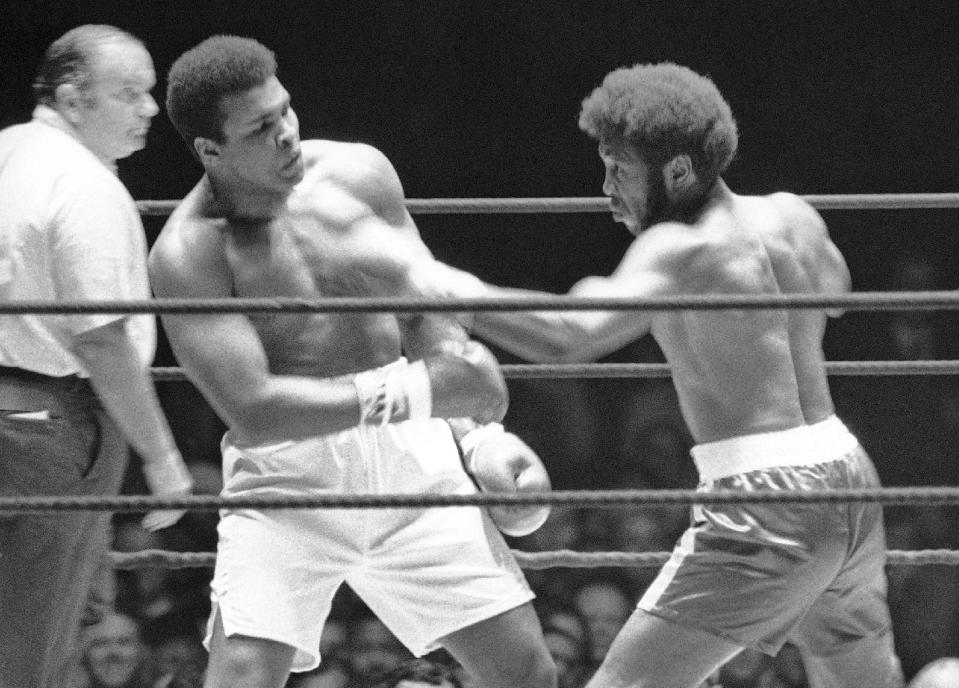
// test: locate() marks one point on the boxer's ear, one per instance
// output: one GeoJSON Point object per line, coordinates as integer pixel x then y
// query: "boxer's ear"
{"type": "Point", "coordinates": [207, 150]}
{"type": "Point", "coordinates": [679, 175]}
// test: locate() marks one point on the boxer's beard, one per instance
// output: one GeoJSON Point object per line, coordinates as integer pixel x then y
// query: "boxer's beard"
{"type": "Point", "coordinates": [658, 207]}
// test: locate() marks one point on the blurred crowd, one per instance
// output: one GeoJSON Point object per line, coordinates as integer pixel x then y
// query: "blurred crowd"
{"type": "Point", "coordinates": [593, 434]}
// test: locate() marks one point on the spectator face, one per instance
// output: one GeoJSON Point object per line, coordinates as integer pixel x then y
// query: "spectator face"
{"type": "Point", "coordinates": [568, 657]}
{"type": "Point", "coordinates": [567, 623]}
{"type": "Point", "coordinates": [374, 650]}
{"type": "Point", "coordinates": [113, 650]}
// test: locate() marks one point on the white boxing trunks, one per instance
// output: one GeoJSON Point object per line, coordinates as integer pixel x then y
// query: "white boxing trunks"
{"type": "Point", "coordinates": [425, 572]}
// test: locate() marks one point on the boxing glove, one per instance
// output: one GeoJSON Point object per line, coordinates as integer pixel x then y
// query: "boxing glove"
{"type": "Point", "coordinates": [499, 461]}
{"type": "Point", "coordinates": [459, 381]}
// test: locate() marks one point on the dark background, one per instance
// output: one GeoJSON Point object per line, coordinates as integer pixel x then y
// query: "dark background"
{"type": "Point", "coordinates": [481, 99]}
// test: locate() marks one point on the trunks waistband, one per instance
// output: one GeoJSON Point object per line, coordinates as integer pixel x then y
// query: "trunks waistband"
{"type": "Point", "coordinates": [806, 445]}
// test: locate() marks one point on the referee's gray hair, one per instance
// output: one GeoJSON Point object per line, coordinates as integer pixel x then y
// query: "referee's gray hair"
{"type": "Point", "coordinates": [69, 59]}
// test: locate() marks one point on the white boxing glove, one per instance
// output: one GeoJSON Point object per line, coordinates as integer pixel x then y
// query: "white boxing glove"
{"type": "Point", "coordinates": [499, 461]}
{"type": "Point", "coordinates": [460, 379]}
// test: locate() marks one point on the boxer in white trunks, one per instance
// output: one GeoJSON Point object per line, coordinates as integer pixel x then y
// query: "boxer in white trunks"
{"type": "Point", "coordinates": [753, 390]}
{"type": "Point", "coordinates": [344, 402]}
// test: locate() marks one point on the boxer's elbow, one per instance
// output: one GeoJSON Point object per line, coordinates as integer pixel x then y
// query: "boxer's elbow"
{"type": "Point", "coordinates": [251, 421]}
{"type": "Point", "coordinates": [257, 415]}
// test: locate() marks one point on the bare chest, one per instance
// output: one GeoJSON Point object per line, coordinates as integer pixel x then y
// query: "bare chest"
{"type": "Point", "coordinates": [297, 258]}
{"type": "Point", "coordinates": [288, 257]}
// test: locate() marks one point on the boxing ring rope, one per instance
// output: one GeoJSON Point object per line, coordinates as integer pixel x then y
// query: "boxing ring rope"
{"type": "Point", "coordinates": [911, 301]}
{"type": "Point", "coordinates": [929, 496]}
{"type": "Point", "coordinates": [648, 498]}
{"type": "Point", "coordinates": [530, 371]}
{"type": "Point", "coordinates": [162, 559]}
{"type": "Point", "coordinates": [600, 204]}
{"type": "Point", "coordinates": [860, 301]}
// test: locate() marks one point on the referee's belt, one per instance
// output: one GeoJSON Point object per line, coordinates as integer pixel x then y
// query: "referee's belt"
{"type": "Point", "coordinates": [22, 389]}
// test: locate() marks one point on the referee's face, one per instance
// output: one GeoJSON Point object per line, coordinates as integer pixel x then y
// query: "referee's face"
{"type": "Point", "coordinates": [117, 107]}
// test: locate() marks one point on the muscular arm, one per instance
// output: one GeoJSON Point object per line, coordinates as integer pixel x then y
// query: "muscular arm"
{"type": "Point", "coordinates": [574, 335]}
{"type": "Point", "coordinates": [429, 332]}
{"type": "Point", "coordinates": [395, 252]}
{"type": "Point", "coordinates": [226, 359]}
{"type": "Point", "coordinates": [406, 267]}
{"type": "Point", "coordinates": [223, 355]}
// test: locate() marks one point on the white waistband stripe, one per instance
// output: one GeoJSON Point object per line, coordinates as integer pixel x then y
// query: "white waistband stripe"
{"type": "Point", "coordinates": [807, 445]}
